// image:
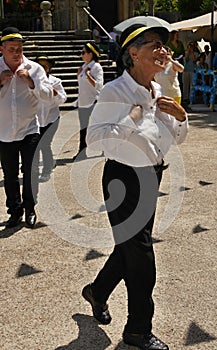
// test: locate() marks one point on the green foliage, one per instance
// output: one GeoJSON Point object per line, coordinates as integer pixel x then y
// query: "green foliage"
{"type": "Point", "coordinates": [189, 8]}
{"type": "Point", "coordinates": [142, 8]}
{"type": "Point", "coordinates": [159, 5]}
{"type": "Point", "coordinates": [166, 5]}
{"type": "Point", "coordinates": [206, 6]}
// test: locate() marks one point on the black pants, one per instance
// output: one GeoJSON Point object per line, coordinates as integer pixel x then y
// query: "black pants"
{"type": "Point", "coordinates": [130, 195]}
{"type": "Point", "coordinates": [10, 156]}
{"type": "Point", "coordinates": [46, 137]}
{"type": "Point", "coordinates": [84, 115]}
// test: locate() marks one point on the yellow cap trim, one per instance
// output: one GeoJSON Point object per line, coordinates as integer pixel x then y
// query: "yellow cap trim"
{"type": "Point", "coordinates": [11, 36]}
{"type": "Point", "coordinates": [134, 34]}
{"type": "Point", "coordinates": [92, 48]}
{"type": "Point", "coordinates": [42, 58]}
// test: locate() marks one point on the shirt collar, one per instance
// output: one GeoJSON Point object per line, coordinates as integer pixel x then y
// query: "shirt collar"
{"type": "Point", "coordinates": [89, 65]}
{"type": "Point", "coordinates": [25, 64]}
{"type": "Point", "coordinates": [133, 85]}
{"type": "Point", "coordinates": [130, 82]}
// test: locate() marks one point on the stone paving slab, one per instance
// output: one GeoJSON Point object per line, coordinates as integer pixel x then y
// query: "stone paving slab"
{"type": "Point", "coordinates": [44, 270]}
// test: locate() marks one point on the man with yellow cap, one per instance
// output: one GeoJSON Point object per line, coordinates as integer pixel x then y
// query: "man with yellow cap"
{"type": "Point", "coordinates": [22, 84]}
{"type": "Point", "coordinates": [134, 125]}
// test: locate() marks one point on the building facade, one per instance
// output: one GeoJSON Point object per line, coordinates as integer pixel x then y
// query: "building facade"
{"type": "Point", "coordinates": [66, 13]}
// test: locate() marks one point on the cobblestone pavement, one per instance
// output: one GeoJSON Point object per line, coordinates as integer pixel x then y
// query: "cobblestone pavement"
{"type": "Point", "coordinates": [44, 270]}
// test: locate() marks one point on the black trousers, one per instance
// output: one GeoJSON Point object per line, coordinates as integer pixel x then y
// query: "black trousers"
{"type": "Point", "coordinates": [130, 196]}
{"type": "Point", "coordinates": [84, 116]}
{"type": "Point", "coordinates": [46, 137]}
{"type": "Point", "coordinates": [11, 152]}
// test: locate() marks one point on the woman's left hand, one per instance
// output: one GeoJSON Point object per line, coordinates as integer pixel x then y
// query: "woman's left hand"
{"type": "Point", "coordinates": [170, 106]}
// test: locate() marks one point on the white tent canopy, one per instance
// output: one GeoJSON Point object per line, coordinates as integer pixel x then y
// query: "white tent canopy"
{"type": "Point", "coordinates": [195, 23]}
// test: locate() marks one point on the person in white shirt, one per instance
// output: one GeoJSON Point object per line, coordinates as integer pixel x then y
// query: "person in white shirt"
{"type": "Point", "coordinates": [96, 34]}
{"type": "Point", "coordinates": [113, 46]}
{"type": "Point", "coordinates": [90, 83]}
{"type": "Point", "coordinates": [22, 84]}
{"type": "Point", "coordinates": [134, 125]}
{"type": "Point", "coordinates": [49, 115]}
{"type": "Point", "coordinates": [168, 79]}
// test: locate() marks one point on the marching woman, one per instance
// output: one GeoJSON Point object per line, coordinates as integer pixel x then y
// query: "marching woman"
{"type": "Point", "coordinates": [134, 125]}
{"type": "Point", "coordinates": [48, 116]}
{"type": "Point", "coordinates": [90, 82]}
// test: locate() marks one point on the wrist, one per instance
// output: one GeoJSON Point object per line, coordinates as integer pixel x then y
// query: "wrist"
{"type": "Point", "coordinates": [182, 117]}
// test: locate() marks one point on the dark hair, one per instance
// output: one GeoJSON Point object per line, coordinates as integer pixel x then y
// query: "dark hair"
{"type": "Point", "coordinates": [172, 34]}
{"type": "Point", "coordinates": [191, 44]}
{"type": "Point", "coordinates": [91, 47]}
{"type": "Point", "coordinates": [46, 58]}
{"type": "Point", "coordinates": [124, 60]}
{"type": "Point", "coordinates": [202, 55]}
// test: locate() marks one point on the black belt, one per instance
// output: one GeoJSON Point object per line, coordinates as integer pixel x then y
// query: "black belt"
{"type": "Point", "coordinates": [156, 168]}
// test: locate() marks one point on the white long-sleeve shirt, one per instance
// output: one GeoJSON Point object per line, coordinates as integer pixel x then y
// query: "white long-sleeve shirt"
{"type": "Point", "coordinates": [136, 144]}
{"type": "Point", "coordinates": [48, 111]}
{"type": "Point", "coordinates": [168, 79]}
{"type": "Point", "coordinates": [88, 93]}
{"type": "Point", "coordinates": [19, 103]}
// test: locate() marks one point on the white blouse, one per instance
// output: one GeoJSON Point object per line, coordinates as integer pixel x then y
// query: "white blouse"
{"type": "Point", "coordinates": [112, 131]}
{"type": "Point", "coordinates": [88, 94]}
{"type": "Point", "coordinates": [48, 111]}
{"type": "Point", "coordinates": [19, 103]}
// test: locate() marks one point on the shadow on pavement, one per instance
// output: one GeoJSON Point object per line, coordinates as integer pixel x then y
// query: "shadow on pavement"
{"type": "Point", "coordinates": [122, 346]}
{"type": "Point", "coordinates": [93, 254]}
{"type": "Point", "coordinates": [197, 335]}
{"type": "Point", "coordinates": [90, 335]}
{"type": "Point", "coordinates": [8, 232]}
{"type": "Point", "coordinates": [79, 158]}
{"type": "Point", "coordinates": [203, 120]}
{"type": "Point", "coordinates": [26, 270]}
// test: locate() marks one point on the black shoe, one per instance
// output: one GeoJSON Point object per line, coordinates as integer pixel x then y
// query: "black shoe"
{"type": "Point", "coordinates": [100, 311]}
{"type": "Point", "coordinates": [30, 219]}
{"type": "Point", "coordinates": [14, 220]}
{"type": "Point", "coordinates": [144, 342]}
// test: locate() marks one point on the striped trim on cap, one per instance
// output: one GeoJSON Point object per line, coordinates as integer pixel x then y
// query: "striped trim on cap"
{"type": "Point", "coordinates": [133, 35]}
{"type": "Point", "coordinates": [92, 49]}
{"type": "Point", "coordinates": [11, 36]}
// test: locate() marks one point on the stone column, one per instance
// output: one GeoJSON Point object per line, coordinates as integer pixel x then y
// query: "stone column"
{"type": "Point", "coordinates": [82, 19]}
{"type": "Point", "coordinates": [46, 15]}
